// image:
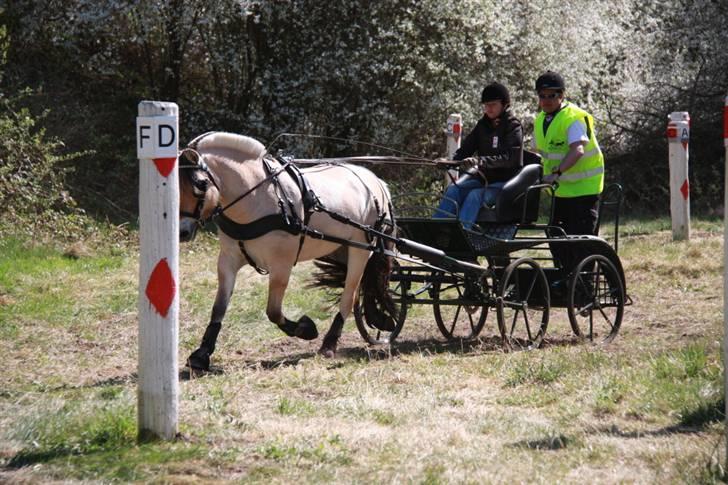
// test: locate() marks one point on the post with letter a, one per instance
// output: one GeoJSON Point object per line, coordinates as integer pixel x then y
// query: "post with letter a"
{"type": "Point", "coordinates": [678, 134]}
{"type": "Point", "coordinates": [454, 136]}
{"type": "Point", "coordinates": [158, 385]}
{"type": "Point", "coordinates": [725, 268]}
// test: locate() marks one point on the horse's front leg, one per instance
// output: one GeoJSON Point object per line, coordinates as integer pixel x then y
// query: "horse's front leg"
{"type": "Point", "coordinates": [228, 266]}
{"type": "Point", "coordinates": [304, 328]}
{"type": "Point", "coordinates": [356, 262]}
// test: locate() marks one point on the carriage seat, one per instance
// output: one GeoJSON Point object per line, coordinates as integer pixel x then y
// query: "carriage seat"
{"type": "Point", "coordinates": [510, 200]}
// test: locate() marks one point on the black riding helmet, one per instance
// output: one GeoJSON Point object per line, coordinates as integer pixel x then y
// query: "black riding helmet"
{"type": "Point", "coordinates": [550, 80]}
{"type": "Point", "coordinates": [494, 91]}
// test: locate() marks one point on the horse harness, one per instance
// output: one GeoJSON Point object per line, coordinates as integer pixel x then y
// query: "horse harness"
{"type": "Point", "coordinates": [287, 219]}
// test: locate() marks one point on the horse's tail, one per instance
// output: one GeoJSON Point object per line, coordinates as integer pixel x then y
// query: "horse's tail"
{"type": "Point", "coordinates": [331, 273]}
{"type": "Point", "coordinates": [379, 308]}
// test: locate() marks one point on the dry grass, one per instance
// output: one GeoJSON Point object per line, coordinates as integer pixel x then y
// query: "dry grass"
{"type": "Point", "coordinates": [636, 411]}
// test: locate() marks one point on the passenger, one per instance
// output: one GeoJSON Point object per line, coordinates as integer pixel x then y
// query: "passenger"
{"type": "Point", "coordinates": [565, 138]}
{"type": "Point", "coordinates": [493, 139]}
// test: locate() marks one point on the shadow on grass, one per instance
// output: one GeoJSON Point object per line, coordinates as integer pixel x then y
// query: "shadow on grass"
{"type": "Point", "coordinates": [30, 457]}
{"type": "Point", "coordinates": [705, 413]}
{"type": "Point", "coordinates": [692, 422]}
{"type": "Point", "coordinates": [432, 346]}
{"type": "Point", "coordinates": [550, 443]}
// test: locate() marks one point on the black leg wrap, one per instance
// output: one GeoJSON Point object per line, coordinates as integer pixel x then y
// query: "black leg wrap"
{"type": "Point", "coordinates": [200, 358]}
{"type": "Point", "coordinates": [210, 338]}
{"type": "Point", "coordinates": [332, 336]}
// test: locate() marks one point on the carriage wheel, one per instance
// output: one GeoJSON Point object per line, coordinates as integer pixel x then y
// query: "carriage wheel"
{"type": "Point", "coordinates": [523, 305]}
{"type": "Point", "coordinates": [369, 332]}
{"type": "Point", "coordinates": [596, 299]}
{"type": "Point", "coordinates": [457, 316]}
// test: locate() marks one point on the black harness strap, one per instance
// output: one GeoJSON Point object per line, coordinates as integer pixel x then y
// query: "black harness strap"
{"type": "Point", "coordinates": [255, 229]}
{"type": "Point", "coordinates": [251, 261]}
{"type": "Point", "coordinates": [308, 199]}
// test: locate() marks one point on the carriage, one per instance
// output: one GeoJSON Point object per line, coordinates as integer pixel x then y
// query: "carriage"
{"type": "Point", "coordinates": [503, 265]}
{"type": "Point", "coordinates": [271, 214]}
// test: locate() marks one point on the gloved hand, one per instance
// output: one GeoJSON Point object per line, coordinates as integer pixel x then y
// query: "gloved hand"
{"type": "Point", "coordinates": [469, 162]}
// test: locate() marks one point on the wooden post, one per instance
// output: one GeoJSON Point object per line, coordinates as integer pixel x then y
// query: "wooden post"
{"type": "Point", "coordinates": [158, 385]}
{"type": "Point", "coordinates": [725, 269]}
{"type": "Point", "coordinates": [678, 134]}
{"type": "Point", "coordinates": [454, 132]}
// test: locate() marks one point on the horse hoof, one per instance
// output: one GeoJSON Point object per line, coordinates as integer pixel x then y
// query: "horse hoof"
{"type": "Point", "coordinates": [199, 360]}
{"type": "Point", "coordinates": [328, 353]}
{"type": "Point", "coordinates": [306, 329]}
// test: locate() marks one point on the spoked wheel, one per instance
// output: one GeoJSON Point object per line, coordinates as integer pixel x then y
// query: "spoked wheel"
{"type": "Point", "coordinates": [523, 305]}
{"type": "Point", "coordinates": [458, 314]}
{"type": "Point", "coordinates": [367, 329]}
{"type": "Point", "coordinates": [596, 299]}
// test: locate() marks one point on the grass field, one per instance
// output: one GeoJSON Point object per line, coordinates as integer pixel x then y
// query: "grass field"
{"type": "Point", "coordinates": [647, 408]}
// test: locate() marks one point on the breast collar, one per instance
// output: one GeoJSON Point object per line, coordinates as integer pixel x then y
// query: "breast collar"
{"type": "Point", "coordinates": [286, 219]}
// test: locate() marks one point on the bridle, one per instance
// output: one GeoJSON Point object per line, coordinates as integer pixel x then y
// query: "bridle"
{"type": "Point", "coordinates": [200, 186]}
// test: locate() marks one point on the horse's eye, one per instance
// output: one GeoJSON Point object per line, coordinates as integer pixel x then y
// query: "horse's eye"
{"type": "Point", "coordinates": [200, 186]}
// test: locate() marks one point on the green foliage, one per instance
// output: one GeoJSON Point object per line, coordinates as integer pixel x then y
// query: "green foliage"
{"type": "Point", "coordinates": [384, 72]}
{"type": "Point", "coordinates": [32, 172]}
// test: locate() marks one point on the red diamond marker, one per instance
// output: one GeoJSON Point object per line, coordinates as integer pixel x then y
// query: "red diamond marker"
{"type": "Point", "coordinates": [685, 189]}
{"type": "Point", "coordinates": [165, 165]}
{"type": "Point", "coordinates": [161, 287]}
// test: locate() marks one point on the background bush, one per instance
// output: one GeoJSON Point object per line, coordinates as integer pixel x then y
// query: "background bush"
{"type": "Point", "coordinates": [383, 72]}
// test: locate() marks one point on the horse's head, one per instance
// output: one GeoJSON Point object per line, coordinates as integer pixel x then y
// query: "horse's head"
{"type": "Point", "coordinates": [198, 193]}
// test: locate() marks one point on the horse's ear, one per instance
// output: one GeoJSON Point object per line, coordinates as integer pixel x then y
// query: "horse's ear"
{"type": "Point", "coordinates": [190, 155]}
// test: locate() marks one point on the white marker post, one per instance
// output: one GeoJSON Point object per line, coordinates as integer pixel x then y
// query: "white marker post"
{"type": "Point", "coordinates": [725, 266]}
{"type": "Point", "coordinates": [158, 387]}
{"type": "Point", "coordinates": [454, 132]}
{"type": "Point", "coordinates": [678, 134]}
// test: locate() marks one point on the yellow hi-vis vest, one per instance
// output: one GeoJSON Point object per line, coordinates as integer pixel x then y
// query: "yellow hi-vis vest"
{"type": "Point", "coordinates": [586, 177]}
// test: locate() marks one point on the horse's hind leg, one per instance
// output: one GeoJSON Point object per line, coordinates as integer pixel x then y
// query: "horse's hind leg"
{"type": "Point", "coordinates": [227, 269]}
{"type": "Point", "coordinates": [304, 328]}
{"type": "Point", "coordinates": [356, 262]}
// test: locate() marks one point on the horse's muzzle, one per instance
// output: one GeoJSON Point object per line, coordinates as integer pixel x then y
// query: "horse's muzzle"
{"type": "Point", "coordinates": [187, 230]}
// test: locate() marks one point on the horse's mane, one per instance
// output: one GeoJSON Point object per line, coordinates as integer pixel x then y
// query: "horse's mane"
{"type": "Point", "coordinates": [249, 147]}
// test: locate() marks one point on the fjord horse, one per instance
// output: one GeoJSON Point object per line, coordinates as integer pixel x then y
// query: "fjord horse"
{"type": "Point", "coordinates": [271, 215]}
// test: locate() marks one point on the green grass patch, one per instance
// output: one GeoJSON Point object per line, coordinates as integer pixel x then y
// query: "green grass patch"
{"type": "Point", "coordinates": [294, 407]}
{"type": "Point", "coordinates": [93, 440]}
{"type": "Point", "coordinates": [42, 283]}
{"type": "Point", "coordinates": [535, 368]}
{"type": "Point", "coordinates": [75, 430]}
{"type": "Point", "coordinates": [312, 452]}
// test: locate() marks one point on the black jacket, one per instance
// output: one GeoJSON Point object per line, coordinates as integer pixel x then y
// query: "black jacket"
{"type": "Point", "coordinates": [494, 147]}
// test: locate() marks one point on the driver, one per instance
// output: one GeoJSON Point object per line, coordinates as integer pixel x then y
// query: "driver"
{"type": "Point", "coordinates": [493, 139]}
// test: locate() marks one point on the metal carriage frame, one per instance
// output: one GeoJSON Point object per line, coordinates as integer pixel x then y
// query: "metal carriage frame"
{"type": "Point", "coordinates": [438, 266]}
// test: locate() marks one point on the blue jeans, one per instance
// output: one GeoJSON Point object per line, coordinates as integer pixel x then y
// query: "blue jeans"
{"type": "Point", "coordinates": [470, 195]}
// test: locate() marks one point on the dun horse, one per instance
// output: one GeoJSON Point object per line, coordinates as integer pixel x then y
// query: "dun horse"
{"type": "Point", "coordinates": [272, 215]}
